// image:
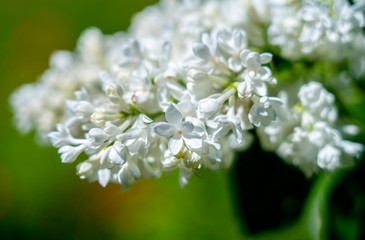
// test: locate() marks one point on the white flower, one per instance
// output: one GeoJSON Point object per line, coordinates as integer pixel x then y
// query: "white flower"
{"type": "Point", "coordinates": [181, 132]}
{"type": "Point", "coordinates": [187, 161]}
{"type": "Point", "coordinates": [184, 176]}
{"type": "Point", "coordinates": [70, 153]}
{"type": "Point", "coordinates": [137, 139]}
{"type": "Point", "coordinates": [252, 61]}
{"type": "Point", "coordinates": [318, 101]}
{"type": "Point", "coordinates": [211, 105]}
{"type": "Point", "coordinates": [85, 169]}
{"type": "Point", "coordinates": [213, 154]}
{"type": "Point", "coordinates": [329, 157]}
{"type": "Point", "coordinates": [264, 111]}
{"type": "Point", "coordinates": [128, 174]}
{"type": "Point", "coordinates": [115, 154]}
{"type": "Point", "coordinates": [62, 137]}
{"type": "Point", "coordinates": [97, 137]}
{"type": "Point", "coordinates": [226, 123]}
{"type": "Point", "coordinates": [202, 51]}
{"type": "Point", "coordinates": [273, 135]}
{"type": "Point", "coordinates": [232, 43]}
{"type": "Point", "coordinates": [111, 88]}
{"type": "Point", "coordinates": [104, 176]}
{"type": "Point", "coordinates": [248, 87]}
{"type": "Point", "coordinates": [91, 46]}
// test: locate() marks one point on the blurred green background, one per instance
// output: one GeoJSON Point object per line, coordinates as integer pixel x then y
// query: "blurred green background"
{"type": "Point", "coordinates": [41, 198]}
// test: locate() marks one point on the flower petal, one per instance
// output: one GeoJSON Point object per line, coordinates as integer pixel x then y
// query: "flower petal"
{"type": "Point", "coordinates": [130, 134]}
{"type": "Point", "coordinates": [186, 127]}
{"type": "Point", "coordinates": [117, 156]}
{"type": "Point", "coordinates": [193, 141]}
{"type": "Point", "coordinates": [260, 88]}
{"type": "Point", "coordinates": [253, 60]}
{"type": "Point", "coordinates": [225, 47]}
{"type": "Point", "coordinates": [105, 155]}
{"type": "Point", "coordinates": [209, 106]}
{"type": "Point", "coordinates": [70, 153]}
{"type": "Point", "coordinates": [201, 51]}
{"type": "Point", "coordinates": [265, 74]}
{"type": "Point", "coordinates": [134, 170]}
{"type": "Point", "coordinates": [104, 176]}
{"type": "Point", "coordinates": [164, 129]}
{"type": "Point", "coordinates": [243, 56]}
{"type": "Point", "coordinates": [136, 146]}
{"type": "Point", "coordinates": [329, 157]}
{"type": "Point", "coordinates": [184, 176]}
{"type": "Point", "coordinates": [175, 144]}
{"type": "Point", "coordinates": [265, 58]}
{"type": "Point", "coordinates": [235, 64]}
{"type": "Point", "coordinates": [239, 39]}
{"type": "Point", "coordinates": [123, 175]}
{"type": "Point", "coordinates": [97, 136]}
{"type": "Point", "coordinates": [173, 115]}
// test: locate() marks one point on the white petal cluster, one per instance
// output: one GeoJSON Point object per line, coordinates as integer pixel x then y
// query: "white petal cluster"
{"type": "Point", "coordinates": [308, 138]}
{"type": "Point", "coordinates": [183, 88]}
{"type": "Point", "coordinates": [149, 117]}
{"type": "Point", "coordinates": [328, 30]}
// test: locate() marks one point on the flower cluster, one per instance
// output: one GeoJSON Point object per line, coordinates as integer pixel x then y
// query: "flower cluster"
{"type": "Point", "coordinates": [188, 85]}
{"type": "Point", "coordinates": [151, 116]}
{"type": "Point", "coordinates": [330, 30]}
{"type": "Point", "coordinates": [308, 138]}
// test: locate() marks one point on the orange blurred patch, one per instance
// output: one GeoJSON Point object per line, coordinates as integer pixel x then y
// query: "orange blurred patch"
{"type": "Point", "coordinates": [116, 209]}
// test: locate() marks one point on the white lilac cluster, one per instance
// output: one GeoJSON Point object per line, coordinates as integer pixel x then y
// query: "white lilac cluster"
{"type": "Point", "coordinates": [152, 116]}
{"type": "Point", "coordinates": [327, 30]}
{"type": "Point", "coordinates": [308, 137]}
{"type": "Point", "coordinates": [182, 89]}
